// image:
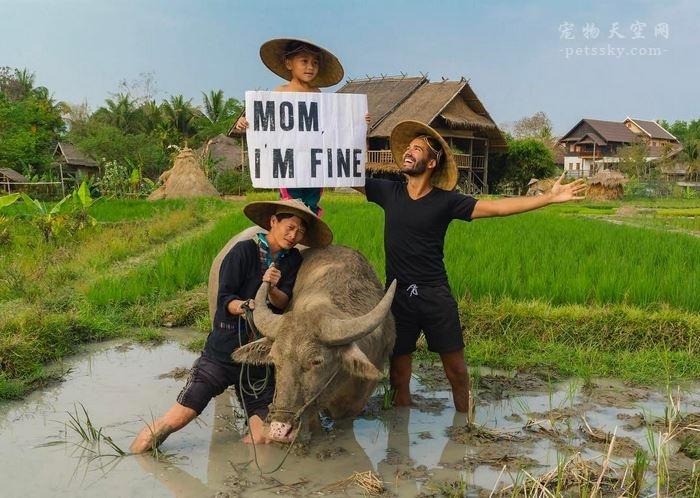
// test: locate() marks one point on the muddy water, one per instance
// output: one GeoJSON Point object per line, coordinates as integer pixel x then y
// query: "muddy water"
{"type": "Point", "coordinates": [122, 384]}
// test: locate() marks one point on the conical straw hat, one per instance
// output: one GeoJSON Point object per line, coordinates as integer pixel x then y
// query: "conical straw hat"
{"type": "Point", "coordinates": [445, 174]}
{"type": "Point", "coordinates": [274, 52]}
{"type": "Point", "coordinates": [318, 234]}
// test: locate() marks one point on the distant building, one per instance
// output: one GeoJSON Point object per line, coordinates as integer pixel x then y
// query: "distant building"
{"type": "Point", "coordinates": [593, 144]}
{"type": "Point", "coordinates": [9, 177]}
{"type": "Point", "coordinates": [72, 163]}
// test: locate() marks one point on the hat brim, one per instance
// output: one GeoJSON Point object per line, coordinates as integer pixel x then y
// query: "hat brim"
{"type": "Point", "coordinates": [445, 174]}
{"type": "Point", "coordinates": [318, 233]}
{"type": "Point", "coordinates": [330, 71]}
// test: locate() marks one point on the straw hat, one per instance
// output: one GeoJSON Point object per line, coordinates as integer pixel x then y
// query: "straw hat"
{"type": "Point", "coordinates": [445, 174]}
{"type": "Point", "coordinates": [274, 52]}
{"type": "Point", "coordinates": [318, 234]}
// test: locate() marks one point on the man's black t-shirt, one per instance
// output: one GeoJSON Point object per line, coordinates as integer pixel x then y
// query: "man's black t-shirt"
{"type": "Point", "coordinates": [240, 277]}
{"type": "Point", "coordinates": [414, 230]}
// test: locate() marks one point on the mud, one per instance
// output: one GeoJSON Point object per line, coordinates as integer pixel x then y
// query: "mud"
{"type": "Point", "coordinates": [521, 422]}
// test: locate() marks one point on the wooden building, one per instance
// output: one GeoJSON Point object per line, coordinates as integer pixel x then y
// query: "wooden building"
{"type": "Point", "coordinates": [451, 107]}
{"type": "Point", "coordinates": [9, 178]}
{"type": "Point", "coordinates": [72, 163]}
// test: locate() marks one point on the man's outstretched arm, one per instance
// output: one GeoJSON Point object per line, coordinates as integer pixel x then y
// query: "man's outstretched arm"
{"type": "Point", "coordinates": [504, 207]}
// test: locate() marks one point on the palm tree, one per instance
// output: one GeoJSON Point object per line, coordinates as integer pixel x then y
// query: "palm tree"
{"type": "Point", "coordinates": [121, 112]}
{"type": "Point", "coordinates": [151, 116]}
{"type": "Point", "coordinates": [214, 105]}
{"type": "Point", "coordinates": [25, 81]}
{"type": "Point", "coordinates": [180, 114]}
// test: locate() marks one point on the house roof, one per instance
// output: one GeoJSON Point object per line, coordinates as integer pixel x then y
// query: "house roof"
{"type": "Point", "coordinates": [383, 94]}
{"type": "Point", "coordinates": [590, 138]}
{"type": "Point", "coordinates": [444, 104]}
{"type": "Point", "coordinates": [72, 156]}
{"type": "Point", "coordinates": [610, 131]}
{"type": "Point", "coordinates": [13, 175]}
{"type": "Point", "coordinates": [652, 129]}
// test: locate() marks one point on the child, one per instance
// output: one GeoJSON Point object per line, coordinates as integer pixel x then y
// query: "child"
{"type": "Point", "coordinates": [307, 68]}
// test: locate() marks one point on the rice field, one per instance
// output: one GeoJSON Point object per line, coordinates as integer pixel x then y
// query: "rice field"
{"type": "Point", "coordinates": [146, 264]}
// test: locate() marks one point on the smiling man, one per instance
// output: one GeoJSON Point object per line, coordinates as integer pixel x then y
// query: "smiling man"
{"type": "Point", "coordinates": [268, 257]}
{"type": "Point", "coordinates": [416, 216]}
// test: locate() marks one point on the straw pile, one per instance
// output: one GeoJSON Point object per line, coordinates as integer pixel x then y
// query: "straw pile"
{"type": "Point", "coordinates": [184, 179]}
{"type": "Point", "coordinates": [606, 185]}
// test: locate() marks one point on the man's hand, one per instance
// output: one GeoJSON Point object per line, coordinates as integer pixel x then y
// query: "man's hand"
{"type": "Point", "coordinates": [570, 192]}
{"type": "Point", "coordinates": [241, 124]}
{"type": "Point", "coordinates": [273, 276]}
{"type": "Point", "coordinates": [368, 119]}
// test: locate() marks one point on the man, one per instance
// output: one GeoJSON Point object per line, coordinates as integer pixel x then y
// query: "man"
{"type": "Point", "coordinates": [417, 214]}
{"type": "Point", "coordinates": [269, 257]}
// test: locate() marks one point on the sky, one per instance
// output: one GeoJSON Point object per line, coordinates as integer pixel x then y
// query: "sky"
{"type": "Point", "coordinates": [520, 57]}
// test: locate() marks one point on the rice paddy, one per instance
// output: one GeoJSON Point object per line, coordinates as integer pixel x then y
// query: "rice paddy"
{"type": "Point", "coordinates": [563, 280]}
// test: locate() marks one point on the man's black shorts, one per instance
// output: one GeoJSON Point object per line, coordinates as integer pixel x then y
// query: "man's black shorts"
{"type": "Point", "coordinates": [209, 378]}
{"type": "Point", "coordinates": [431, 310]}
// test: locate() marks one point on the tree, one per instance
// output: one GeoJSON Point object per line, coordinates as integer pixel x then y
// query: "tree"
{"type": "Point", "coordinates": [180, 115]}
{"type": "Point", "coordinates": [633, 161]}
{"type": "Point", "coordinates": [536, 126]}
{"type": "Point", "coordinates": [122, 112]}
{"type": "Point", "coordinates": [528, 158]}
{"type": "Point", "coordinates": [29, 129]}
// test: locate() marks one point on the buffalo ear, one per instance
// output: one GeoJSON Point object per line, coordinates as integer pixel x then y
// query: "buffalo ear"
{"type": "Point", "coordinates": [356, 363]}
{"type": "Point", "coordinates": [255, 353]}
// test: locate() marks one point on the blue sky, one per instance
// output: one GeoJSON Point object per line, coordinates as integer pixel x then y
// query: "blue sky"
{"type": "Point", "coordinates": [513, 52]}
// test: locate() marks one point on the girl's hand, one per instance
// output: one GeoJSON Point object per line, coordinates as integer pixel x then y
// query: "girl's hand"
{"type": "Point", "coordinates": [241, 124]}
{"type": "Point", "coordinates": [368, 119]}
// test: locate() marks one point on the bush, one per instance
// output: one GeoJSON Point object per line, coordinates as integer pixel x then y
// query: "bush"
{"type": "Point", "coordinates": [232, 182]}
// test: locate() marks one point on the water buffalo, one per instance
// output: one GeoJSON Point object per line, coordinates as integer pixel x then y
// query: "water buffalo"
{"type": "Point", "coordinates": [330, 345]}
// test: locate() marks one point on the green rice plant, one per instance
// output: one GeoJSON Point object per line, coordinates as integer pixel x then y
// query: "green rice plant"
{"type": "Point", "coordinates": [90, 434]}
{"type": "Point", "coordinates": [638, 471]}
{"type": "Point", "coordinates": [388, 394]}
{"type": "Point", "coordinates": [181, 267]}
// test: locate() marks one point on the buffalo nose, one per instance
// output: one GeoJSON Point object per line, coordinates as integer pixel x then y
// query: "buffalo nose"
{"type": "Point", "coordinates": [279, 431]}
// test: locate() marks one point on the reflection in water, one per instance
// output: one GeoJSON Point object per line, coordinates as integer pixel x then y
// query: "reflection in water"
{"type": "Point", "coordinates": [408, 447]}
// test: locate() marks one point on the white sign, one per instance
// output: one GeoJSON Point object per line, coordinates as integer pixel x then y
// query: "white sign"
{"type": "Point", "coordinates": [306, 139]}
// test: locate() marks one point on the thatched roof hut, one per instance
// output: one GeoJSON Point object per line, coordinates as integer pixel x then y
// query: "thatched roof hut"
{"type": "Point", "coordinates": [225, 153]}
{"type": "Point", "coordinates": [185, 179]}
{"type": "Point", "coordinates": [73, 162]}
{"type": "Point", "coordinates": [8, 176]}
{"type": "Point", "coordinates": [607, 184]}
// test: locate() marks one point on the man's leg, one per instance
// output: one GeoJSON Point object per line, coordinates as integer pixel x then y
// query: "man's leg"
{"type": "Point", "coordinates": [154, 434]}
{"type": "Point", "coordinates": [400, 378]}
{"type": "Point", "coordinates": [458, 375]}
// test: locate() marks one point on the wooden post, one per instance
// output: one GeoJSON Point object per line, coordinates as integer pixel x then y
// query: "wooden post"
{"type": "Point", "coordinates": [486, 167]}
{"type": "Point", "coordinates": [63, 187]}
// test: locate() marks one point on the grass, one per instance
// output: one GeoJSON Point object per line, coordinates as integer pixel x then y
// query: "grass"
{"type": "Point", "coordinates": [553, 289]}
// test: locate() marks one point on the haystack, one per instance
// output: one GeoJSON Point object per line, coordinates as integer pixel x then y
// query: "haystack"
{"type": "Point", "coordinates": [606, 185]}
{"type": "Point", "coordinates": [185, 179]}
{"type": "Point", "coordinates": [539, 187]}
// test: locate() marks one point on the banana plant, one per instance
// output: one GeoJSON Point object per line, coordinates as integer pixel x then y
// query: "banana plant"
{"type": "Point", "coordinates": [48, 221]}
{"type": "Point", "coordinates": [82, 201]}
{"type": "Point", "coordinates": [6, 200]}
